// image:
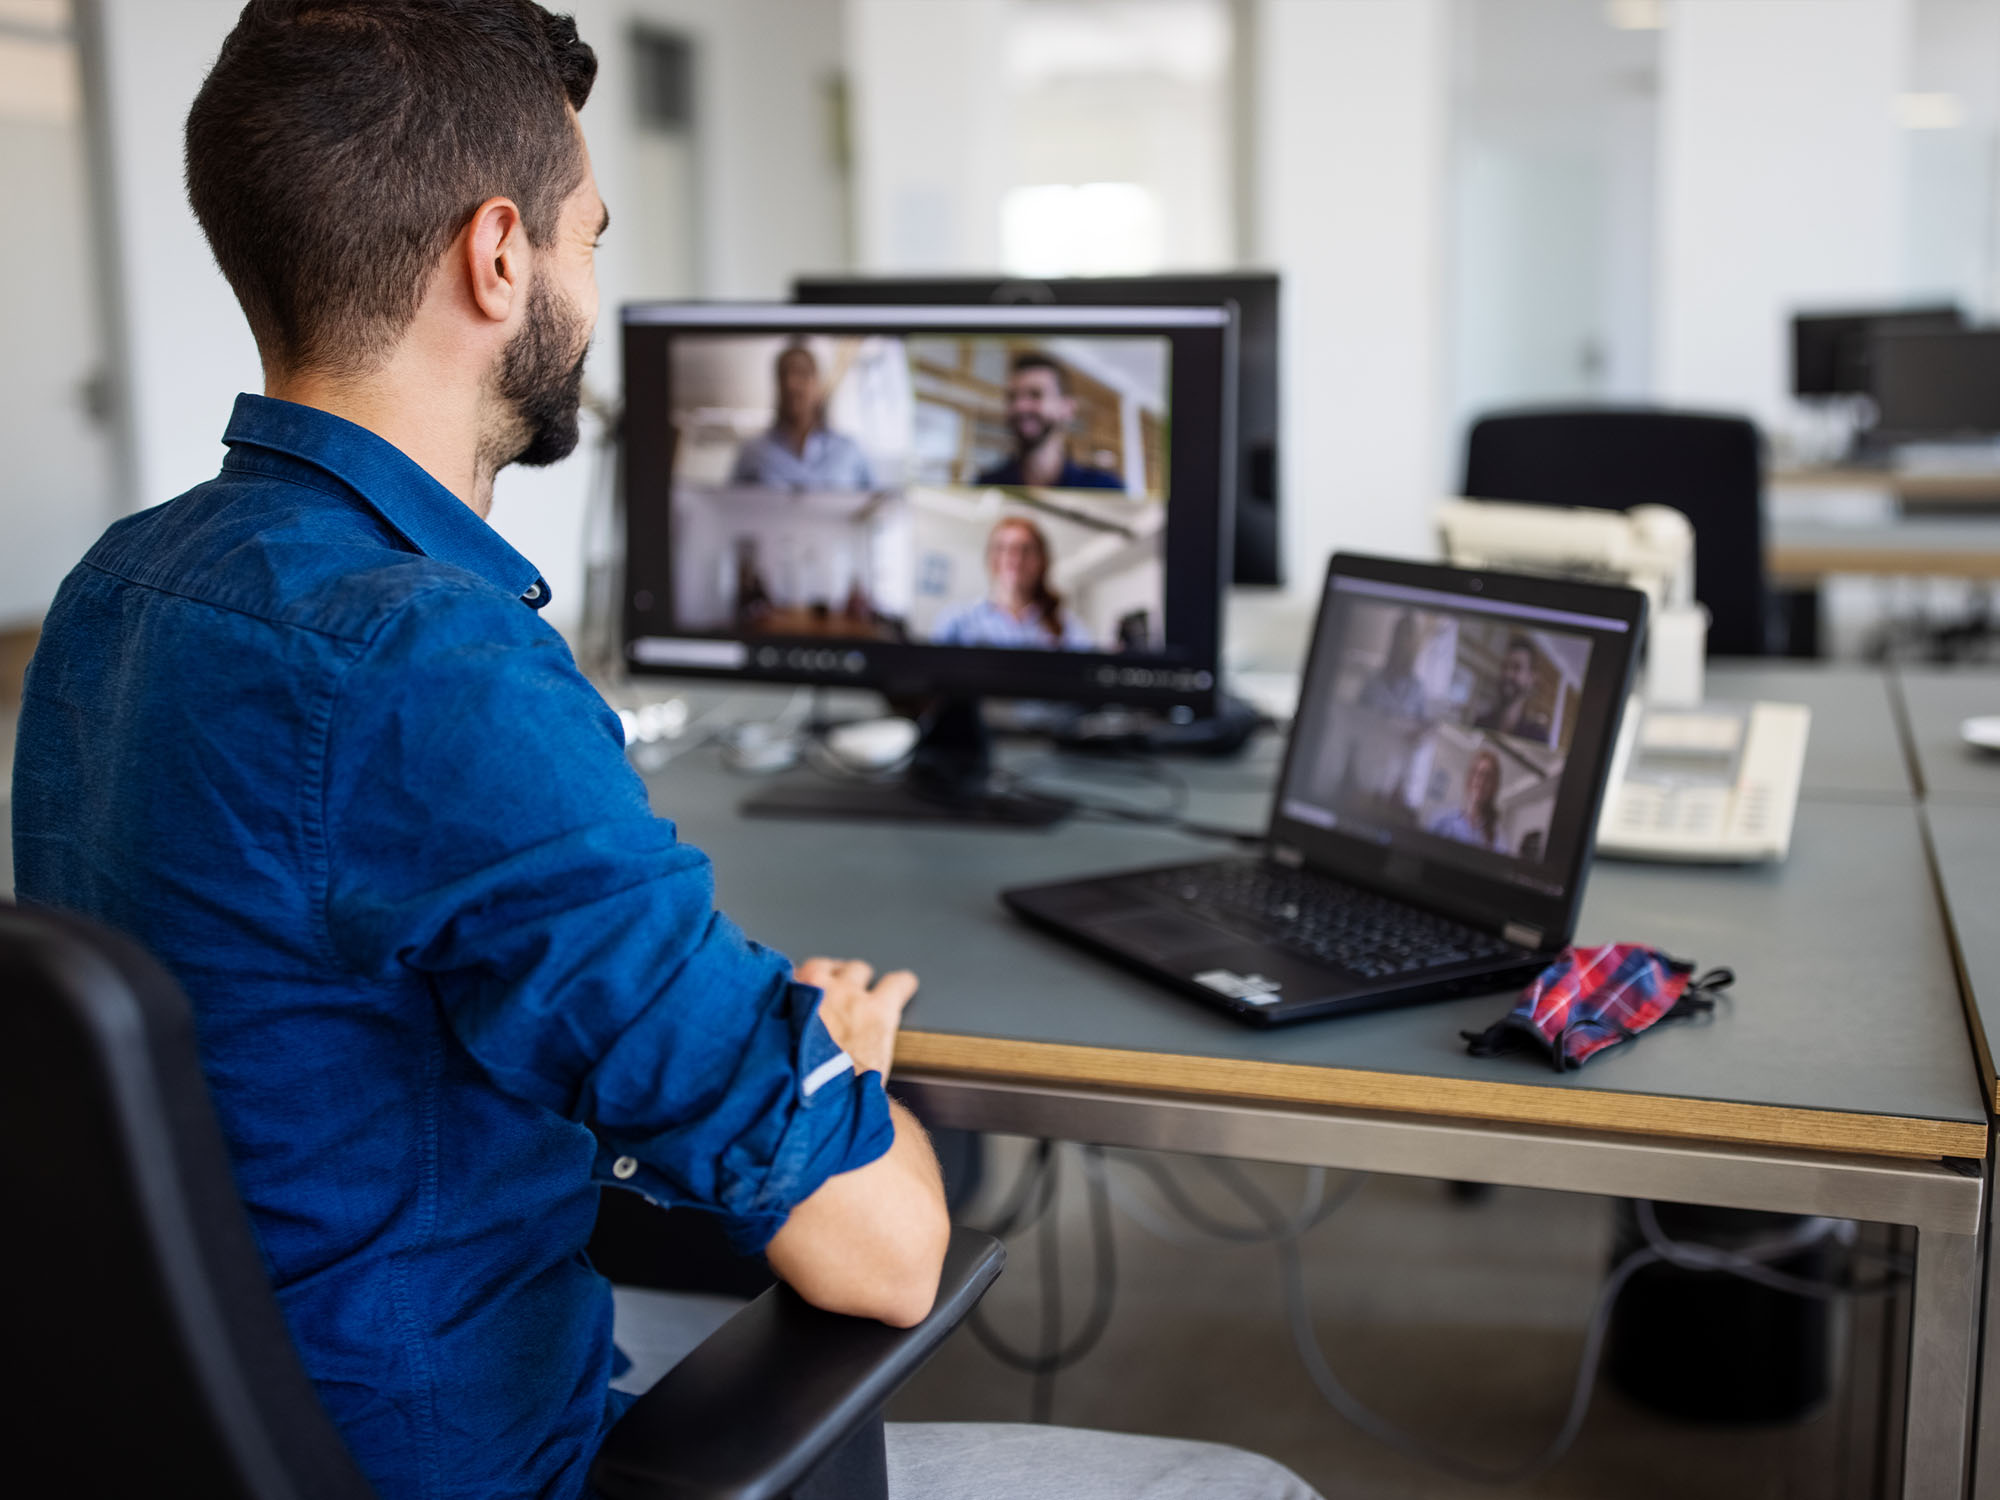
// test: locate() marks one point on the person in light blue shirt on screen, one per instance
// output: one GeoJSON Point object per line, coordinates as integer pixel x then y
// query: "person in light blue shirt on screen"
{"type": "Point", "coordinates": [799, 451]}
{"type": "Point", "coordinates": [1020, 609]}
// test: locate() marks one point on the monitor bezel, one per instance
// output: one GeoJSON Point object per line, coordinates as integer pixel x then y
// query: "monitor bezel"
{"type": "Point", "coordinates": [1201, 474]}
{"type": "Point", "coordinates": [1491, 904]}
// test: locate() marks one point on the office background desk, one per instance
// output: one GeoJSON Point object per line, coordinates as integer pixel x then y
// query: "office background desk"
{"type": "Point", "coordinates": [1935, 702]}
{"type": "Point", "coordinates": [1838, 1079]}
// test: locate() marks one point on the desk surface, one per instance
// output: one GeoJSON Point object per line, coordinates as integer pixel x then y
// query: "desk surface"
{"type": "Point", "coordinates": [1845, 1031]}
{"type": "Point", "coordinates": [1854, 750]}
{"type": "Point", "coordinates": [1936, 701]}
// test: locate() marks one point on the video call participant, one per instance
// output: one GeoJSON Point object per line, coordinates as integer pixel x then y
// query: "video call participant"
{"type": "Point", "coordinates": [1510, 713]}
{"type": "Point", "coordinates": [1020, 609]}
{"type": "Point", "coordinates": [799, 451]}
{"type": "Point", "coordinates": [1394, 688]}
{"type": "Point", "coordinates": [1040, 410]}
{"type": "Point", "coordinates": [1477, 819]}
{"type": "Point", "coordinates": [304, 734]}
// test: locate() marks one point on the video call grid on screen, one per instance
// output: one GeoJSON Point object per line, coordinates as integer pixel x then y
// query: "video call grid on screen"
{"type": "Point", "coordinates": [907, 497]}
{"type": "Point", "coordinates": [1448, 729]}
{"type": "Point", "coordinates": [1007, 488]}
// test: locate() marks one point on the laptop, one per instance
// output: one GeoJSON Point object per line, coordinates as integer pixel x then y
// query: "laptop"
{"type": "Point", "coordinates": [1432, 828]}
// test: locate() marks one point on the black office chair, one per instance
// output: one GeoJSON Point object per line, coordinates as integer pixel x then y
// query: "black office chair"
{"type": "Point", "coordinates": [153, 1357]}
{"type": "Point", "coordinates": [1710, 468]}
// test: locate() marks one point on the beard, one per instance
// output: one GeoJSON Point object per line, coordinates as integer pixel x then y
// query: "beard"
{"type": "Point", "coordinates": [1029, 430]}
{"type": "Point", "coordinates": [541, 380]}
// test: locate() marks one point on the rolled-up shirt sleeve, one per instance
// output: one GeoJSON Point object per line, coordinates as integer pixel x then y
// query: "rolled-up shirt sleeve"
{"type": "Point", "coordinates": [483, 828]}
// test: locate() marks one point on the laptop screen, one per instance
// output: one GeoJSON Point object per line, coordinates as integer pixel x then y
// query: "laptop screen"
{"type": "Point", "coordinates": [1454, 739]}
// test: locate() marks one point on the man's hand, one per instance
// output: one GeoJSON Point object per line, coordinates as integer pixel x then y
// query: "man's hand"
{"type": "Point", "coordinates": [861, 1011]}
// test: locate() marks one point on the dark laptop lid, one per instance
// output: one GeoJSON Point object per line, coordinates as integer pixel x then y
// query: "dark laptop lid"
{"type": "Point", "coordinates": [1453, 738]}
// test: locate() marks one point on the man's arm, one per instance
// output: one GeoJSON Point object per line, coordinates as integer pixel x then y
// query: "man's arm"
{"type": "Point", "coordinates": [871, 1242]}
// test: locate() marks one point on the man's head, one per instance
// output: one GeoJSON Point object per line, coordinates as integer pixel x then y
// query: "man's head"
{"type": "Point", "coordinates": [361, 165]}
{"type": "Point", "coordinates": [1038, 399]}
{"type": "Point", "coordinates": [798, 386]}
{"type": "Point", "coordinates": [1517, 670]}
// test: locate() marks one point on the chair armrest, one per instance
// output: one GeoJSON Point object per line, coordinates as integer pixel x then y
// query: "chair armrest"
{"type": "Point", "coordinates": [756, 1407]}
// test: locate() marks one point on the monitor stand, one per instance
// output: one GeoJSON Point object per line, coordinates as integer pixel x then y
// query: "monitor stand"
{"type": "Point", "coordinates": [949, 779]}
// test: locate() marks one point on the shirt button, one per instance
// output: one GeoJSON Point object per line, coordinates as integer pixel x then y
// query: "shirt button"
{"type": "Point", "coordinates": [624, 1167]}
{"type": "Point", "coordinates": [534, 593]}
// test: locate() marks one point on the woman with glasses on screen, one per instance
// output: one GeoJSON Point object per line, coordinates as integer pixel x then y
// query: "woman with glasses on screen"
{"type": "Point", "coordinates": [1020, 609]}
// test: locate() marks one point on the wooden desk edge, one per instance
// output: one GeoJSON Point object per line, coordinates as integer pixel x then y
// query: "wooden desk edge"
{"type": "Point", "coordinates": [1401, 1093]}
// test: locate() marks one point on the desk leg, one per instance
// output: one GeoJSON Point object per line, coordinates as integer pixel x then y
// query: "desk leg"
{"type": "Point", "coordinates": [1986, 1435]}
{"type": "Point", "coordinates": [1944, 1322]}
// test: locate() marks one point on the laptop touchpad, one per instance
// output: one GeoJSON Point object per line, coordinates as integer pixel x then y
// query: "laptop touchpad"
{"type": "Point", "coordinates": [1157, 935]}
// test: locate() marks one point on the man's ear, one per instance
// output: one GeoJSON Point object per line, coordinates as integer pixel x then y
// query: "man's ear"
{"type": "Point", "coordinates": [495, 247]}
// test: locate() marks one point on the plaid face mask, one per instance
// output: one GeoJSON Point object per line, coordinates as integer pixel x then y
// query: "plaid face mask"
{"type": "Point", "coordinates": [1593, 998]}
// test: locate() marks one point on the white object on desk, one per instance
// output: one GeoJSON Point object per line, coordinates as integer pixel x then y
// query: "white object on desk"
{"type": "Point", "coordinates": [873, 744]}
{"type": "Point", "coordinates": [1983, 732]}
{"type": "Point", "coordinates": [1719, 783]}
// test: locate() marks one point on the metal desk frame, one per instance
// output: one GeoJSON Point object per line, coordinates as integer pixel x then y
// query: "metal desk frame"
{"type": "Point", "coordinates": [1943, 1202]}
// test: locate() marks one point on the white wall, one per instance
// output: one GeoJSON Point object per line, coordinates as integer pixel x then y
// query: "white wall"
{"type": "Point", "coordinates": [930, 132]}
{"type": "Point", "coordinates": [1351, 126]}
{"type": "Point", "coordinates": [1780, 185]}
{"type": "Point", "coordinates": [56, 494]}
{"type": "Point", "coordinates": [768, 184]}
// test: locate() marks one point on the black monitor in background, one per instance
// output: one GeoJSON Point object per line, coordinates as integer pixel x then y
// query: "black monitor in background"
{"type": "Point", "coordinates": [1940, 385]}
{"type": "Point", "coordinates": [835, 496]}
{"type": "Point", "coordinates": [1259, 558]}
{"type": "Point", "coordinates": [1831, 350]}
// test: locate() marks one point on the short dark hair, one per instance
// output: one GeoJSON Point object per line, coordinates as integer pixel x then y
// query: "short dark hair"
{"type": "Point", "coordinates": [1032, 360]}
{"type": "Point", "coordinates": [338, 147]}
{"type": "Point", "coordinates": [1519, 643]}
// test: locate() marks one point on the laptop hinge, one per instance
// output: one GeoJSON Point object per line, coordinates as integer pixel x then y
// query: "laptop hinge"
{"type": "Point", "coordinates": [1286, 854]}
{"type": "Point", "coordinates": [1522, 935]}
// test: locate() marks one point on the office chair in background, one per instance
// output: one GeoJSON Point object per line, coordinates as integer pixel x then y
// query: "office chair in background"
{"type": "Point", "coordinates": [1710, 468]}
{"type": "Point", "coordinates": [139, 1313]}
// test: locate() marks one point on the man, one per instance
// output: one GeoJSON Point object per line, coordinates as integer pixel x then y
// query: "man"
{"type": "Point", "coordinates": [302, 732]}
{"type": "Point", "coordinates": [1040, 409]}
{"type": "Point", "coordinates": [800, 452]}
{"type": "Point", "coordinates": [1510, 713]}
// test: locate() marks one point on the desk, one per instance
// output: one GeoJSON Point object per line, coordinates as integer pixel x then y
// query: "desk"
{"type": "Point", "coordinates": [1935, 702]}
{"type": "Point", "coordinates": [1940, 487]}
{"type": "Point", "coordinates": [1839, 1080]}
{"type": "Point", "coordinates": [1855, 751]}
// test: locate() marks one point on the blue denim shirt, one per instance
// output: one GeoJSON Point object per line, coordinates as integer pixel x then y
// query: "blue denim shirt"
{"type": "Point", "coordinates": [303, 734]}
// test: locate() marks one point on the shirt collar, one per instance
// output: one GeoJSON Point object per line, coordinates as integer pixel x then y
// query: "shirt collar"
{"type": "Point", "coordinates": [426, 514]}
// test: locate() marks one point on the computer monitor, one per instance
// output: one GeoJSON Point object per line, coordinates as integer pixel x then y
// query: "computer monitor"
{"type": "Point", "coordinates": [1254, 295]}
{"type": "Point", "coordinates": [1938, 385]}
{"type": "Point", "coordinates": [1831, 350]}
{"type": "Point", "coordinates": [945, 504]}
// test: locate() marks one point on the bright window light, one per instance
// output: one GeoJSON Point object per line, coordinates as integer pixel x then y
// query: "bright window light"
{"type": "Point", "coordinates": [1929, 111]}
{"type": "Point", "coordinates": [1636, 15]}
{"type": "Point", "coordinates": [1091, 229]}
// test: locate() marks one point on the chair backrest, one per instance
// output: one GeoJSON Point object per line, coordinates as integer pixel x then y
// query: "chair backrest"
{"type": "Point", "coordinates": [150, 1353]}
{"type": "Point", "coordinates": [1710, 468]}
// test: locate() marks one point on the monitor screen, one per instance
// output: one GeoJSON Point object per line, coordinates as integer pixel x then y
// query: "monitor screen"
{"type": "Point", "coordinates": [1832, 351]}
{"type": "Point", "coordinates": [1938, 385]}
{"type": "Point", "coordinates": [1460, 738]}
{"type": "Point", "coordinates": [1004, 502]}
{"type": "Point", "coordinates": [1252, 294]}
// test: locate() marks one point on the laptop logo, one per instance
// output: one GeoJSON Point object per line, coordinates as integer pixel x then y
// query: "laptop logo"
{"type": "Point", "coordinates": [1253, 988]}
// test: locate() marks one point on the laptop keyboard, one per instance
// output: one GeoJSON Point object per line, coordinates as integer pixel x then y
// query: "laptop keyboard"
{"type": "Point", "coordinates": [1321, 919]}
